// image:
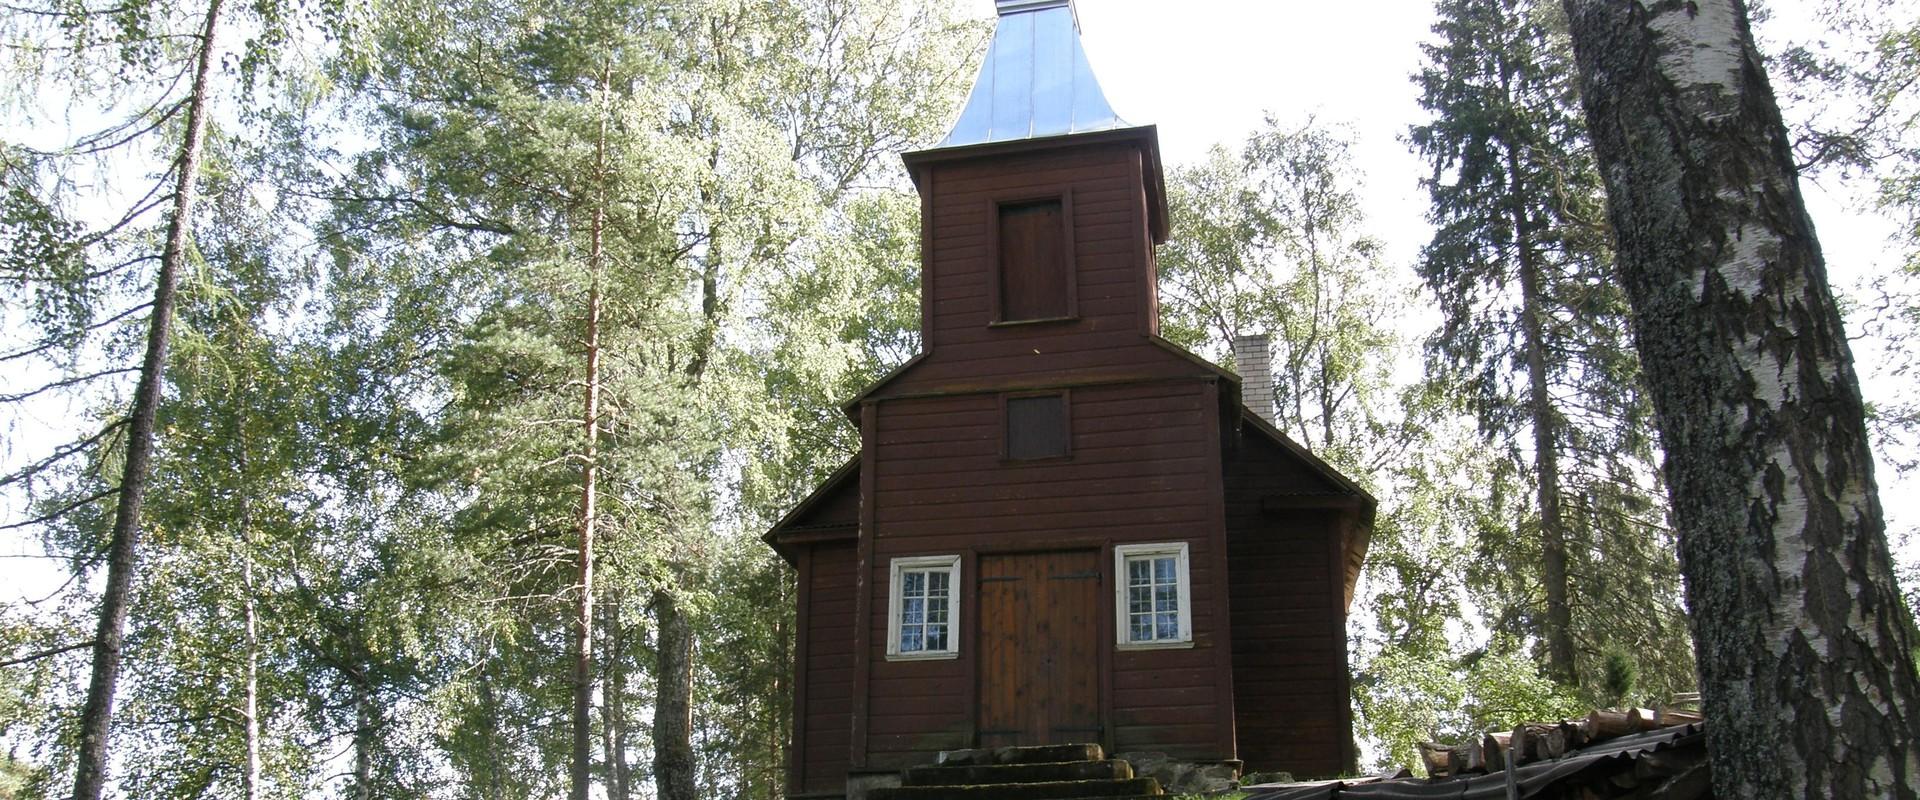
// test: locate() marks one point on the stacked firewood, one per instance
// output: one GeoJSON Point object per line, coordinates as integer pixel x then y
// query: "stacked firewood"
{"type": "Point", "coordinates": [1544, 741]}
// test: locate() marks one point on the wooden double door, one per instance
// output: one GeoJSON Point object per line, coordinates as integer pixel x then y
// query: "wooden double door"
{"type": "Point", "coordinates": [1039, 669]}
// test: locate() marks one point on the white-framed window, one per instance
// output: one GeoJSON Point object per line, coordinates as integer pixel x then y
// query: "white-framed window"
{"type": "Point", "coordinates": [1153, 604]}
{"type": "Point", "coordinates": [923, 608]}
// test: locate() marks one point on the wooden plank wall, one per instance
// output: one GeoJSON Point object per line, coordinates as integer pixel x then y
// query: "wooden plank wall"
{"type": "Point", "coordinates": [1138, 473]}
{"type": "Point", "coordinates": [827, 672]}
{"type": "Point", "coordinates": [1289, 623]}
{"type": "Point", "coordinates": [1112, 261]}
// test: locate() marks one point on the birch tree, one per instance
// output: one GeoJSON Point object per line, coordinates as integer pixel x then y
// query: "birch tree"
{"type": "Point", "coordinates": [1805, 646]}
{"type": "Point", "coordinates": [1274, 243]}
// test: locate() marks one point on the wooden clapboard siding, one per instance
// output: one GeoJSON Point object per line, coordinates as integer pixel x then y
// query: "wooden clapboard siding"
{"type": "Point", "coordinates": [1111, 270]}
{"type": "Point", "coordinates": [825, 714]}
{"type": "Point", "coordinates": [1137, 473]}
{"type": "Point", "coordinates": [1139, 445]}
{"type": "Point", "coordinates": [945, 482]}
{"type": "Point", "coordinates": [1289, 624]}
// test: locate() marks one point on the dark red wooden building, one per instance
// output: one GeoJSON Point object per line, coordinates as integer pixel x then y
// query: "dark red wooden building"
{"type": "Point", "coordinates": [1062, 527]}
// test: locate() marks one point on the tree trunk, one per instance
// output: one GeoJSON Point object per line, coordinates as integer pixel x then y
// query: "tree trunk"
{"type": "Point", "coordinates": [619, 773]}
{"type": "Point", "coordinates": [582, 766]}
{"type": "Point", "coordinates": [673, 706]}
{"type": "Point", "coordinates": [1805, 648]}
{"type": "Point", "coordinates": [250, 613]}
{"type": "Point", "coordinates": [364, 722]}
{"type": "Point", "coordinates": [1558, 630]}
{"type": "Point", "coordinates": [496, 788]}
{"type": "Point", "coordinates": [780, 720]}
{"type": "Point", "coordinates": [96, 716]}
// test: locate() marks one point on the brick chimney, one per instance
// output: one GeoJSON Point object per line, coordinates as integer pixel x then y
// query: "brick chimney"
{"type": "Point", "coordinates": [1253, 359]}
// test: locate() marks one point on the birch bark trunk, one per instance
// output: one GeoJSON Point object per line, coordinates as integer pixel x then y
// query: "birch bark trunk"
{"type": "Point", "coordinates": [673, 767]}
{"type": "Point", "coordinates": [96, 716]}
{"type": "Point", "coordinates": [364, 722]}
{"type": "Point", "coordinates": [251, 619]}
{"type": "Point", "coordinates": [1805, 648]}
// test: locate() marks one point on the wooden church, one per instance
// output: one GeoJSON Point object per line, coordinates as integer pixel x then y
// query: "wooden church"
{"type": "Point", "coordinates": [1062, 528]}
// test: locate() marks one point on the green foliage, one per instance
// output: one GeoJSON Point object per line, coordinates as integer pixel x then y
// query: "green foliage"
{"type": "Point", "coordinates": [1404, 698]}
{"type": "Point", "coordinates": [1619, 677]}
{"type": "Point", "coordinates": [374, 451]}
{"type": "Point", "coordinates": [749, 281]}
{"type": "Point", "coordinates": [1272, 242]}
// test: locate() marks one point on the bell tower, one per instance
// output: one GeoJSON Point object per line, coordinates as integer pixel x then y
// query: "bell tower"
{"type": "Point", "coordinates": [1040, 208]}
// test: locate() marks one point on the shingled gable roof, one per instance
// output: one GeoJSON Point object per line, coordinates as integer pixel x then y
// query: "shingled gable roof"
{"type": "Point", "coordinates": [784, 532]}
{"type": "Point", "coordinates": [851, 405]}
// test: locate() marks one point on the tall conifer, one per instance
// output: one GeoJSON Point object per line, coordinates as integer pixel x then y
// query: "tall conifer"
{"type": "Point", "coordinates": [1533, 327]}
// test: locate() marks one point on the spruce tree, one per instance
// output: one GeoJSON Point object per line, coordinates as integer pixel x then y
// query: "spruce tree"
{"type": "Point", "coordinates": [1533, 329]}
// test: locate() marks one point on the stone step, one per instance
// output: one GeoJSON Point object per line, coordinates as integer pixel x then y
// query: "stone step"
{"type": "Point", "coordinates": [1044, 790]}
{"type": "Point", "coordinates": [1018, 773]}
{"type": "Point", "coordinates": [1051, 753]}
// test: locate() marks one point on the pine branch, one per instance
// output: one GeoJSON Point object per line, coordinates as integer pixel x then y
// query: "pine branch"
{"type": "Point", "coordinates": [51, 343]}
{"type": "Point", "coordinates": [14, 398]}
{"type": "Point", "coordinates": [60, 453]}
{"type": "Point", "coordinates": [46, 653]}
{"type": "Point", "coordinates": [62, 511]}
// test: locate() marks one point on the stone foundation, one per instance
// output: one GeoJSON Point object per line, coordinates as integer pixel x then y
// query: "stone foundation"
{"type": "Point", "coordinates": [1185, 777]}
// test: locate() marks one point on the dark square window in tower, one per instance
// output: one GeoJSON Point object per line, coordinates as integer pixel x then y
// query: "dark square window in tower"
{"type": "Point", "coordinates": [1037, 427]}
{"type": "Point", "coordinates": [1034, 256]}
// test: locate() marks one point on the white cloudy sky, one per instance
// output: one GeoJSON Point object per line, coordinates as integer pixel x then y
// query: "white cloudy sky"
{"type": "Point", "coordinates": [1206, 71]}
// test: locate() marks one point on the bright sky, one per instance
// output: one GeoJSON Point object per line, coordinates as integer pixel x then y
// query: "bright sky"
{"type": "Point", "coordinates": [1207, 71]}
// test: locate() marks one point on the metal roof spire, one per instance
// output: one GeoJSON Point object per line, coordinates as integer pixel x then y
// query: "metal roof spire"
{"type": "Point", "coordinates": [1035, 82]}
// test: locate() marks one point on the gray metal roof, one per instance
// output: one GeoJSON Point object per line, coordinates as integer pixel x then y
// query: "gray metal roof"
{"type": "Point", "coordinates": [1662, 758]}
{"type": "Point", "coordinates": [1035, 82]}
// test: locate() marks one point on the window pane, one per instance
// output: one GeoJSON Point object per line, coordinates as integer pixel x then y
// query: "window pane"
{"type": "Point", "coordinates": [910, 641]}
{"type": "Point", "coordinates": [913, 611]}
{"type": "Point", "coordinates": [937, 582]}
{"type": "Point", "coordinates": [914, 584]}
{"type": "Point", "coordinates": [936, 637]}
{"type": "Point", "coordinates": [1137, 572]}
{"type": "Point", "coordinates": [1142, 628]}
{"type": "Point", "coordinates": [937, 609]}
{"type": "Point", "coordinates": [1169, 626]}
{"type": "Point", "coordinates": [1163, 570]}
{"type": "Point", "coordinates": [1165, 599]}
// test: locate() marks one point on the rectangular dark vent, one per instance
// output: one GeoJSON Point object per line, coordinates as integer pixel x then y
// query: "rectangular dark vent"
{"type": "Point", "coordinates": [1036, 427]}
{"type": "Point", "coordinates": [1034, 283]}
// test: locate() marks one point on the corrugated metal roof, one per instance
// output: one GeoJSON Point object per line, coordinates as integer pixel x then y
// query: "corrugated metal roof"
{"type": "Point", "coordinates": [1537, 779]}
{"type": "Point", "coordinates": [1035, 82]}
